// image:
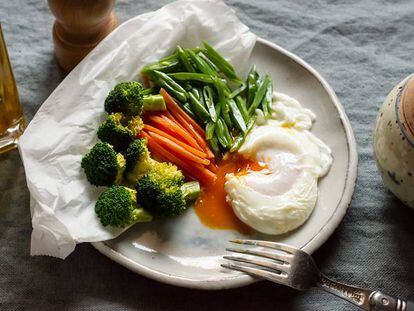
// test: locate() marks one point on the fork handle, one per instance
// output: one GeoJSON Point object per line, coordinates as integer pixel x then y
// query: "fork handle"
{"type": "Point", "coordinates": [382, 302]}
{"type": "Point", "coordinates": [364, 298]}
{"type": "Point", "coordinates": [357, 296]}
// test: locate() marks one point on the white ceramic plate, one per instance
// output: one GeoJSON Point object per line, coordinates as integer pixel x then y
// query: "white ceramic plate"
{"type": "Point", "coordinates": [183, 252]}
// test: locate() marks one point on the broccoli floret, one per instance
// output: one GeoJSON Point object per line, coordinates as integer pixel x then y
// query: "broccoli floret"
{"type": "Point", "coordinates": [138, 160]}
{"type": "Point", "coordinates": [119, 131]}
{"type": "Point", "coordinates": [135, 125]}
{"type": "Point", "coordinates": [131, 99]}
{"type": "Point", "coordinates": [163, 193]}
{"type": "Point", "coordinates": [167, 173]}
{"type": "Point", "coordinates": [173, 200]}
{"type": "Point", "coordinates": [103, 166]}
{"type": "Point", "coordinates": [117, 207]}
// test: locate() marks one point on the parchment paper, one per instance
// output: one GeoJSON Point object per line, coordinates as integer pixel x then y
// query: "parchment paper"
{"type": "Point", "coordinates": [64, 128]}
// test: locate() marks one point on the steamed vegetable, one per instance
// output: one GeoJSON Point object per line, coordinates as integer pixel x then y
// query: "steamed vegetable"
{"type": "Point", "coordinates": [122, 160]}
{"type": "Point", "coordinates": [131, 99]}
{"type": "Point", "coordinates": [103, 166]}
{"type": "Point", "coordinates": [163, 193]}
{"type": "Point", "coordinates": [203, 109]}
{"type": "Point", "coordinates": [138, 160]}
{"type": "Point", "coordinates": [119, 131]}
{"type": "Point", "coordinates": [198, 172]}
{"type": "Point", "coordinates": [210, 92]}
{"type": "Point", "coordinates": [117, 207]}
{"type": "Point", "coordinates": [175, 137]}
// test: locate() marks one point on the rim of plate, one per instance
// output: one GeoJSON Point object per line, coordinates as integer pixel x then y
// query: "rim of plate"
{"type": "Point", "coordinates": [239, 280]}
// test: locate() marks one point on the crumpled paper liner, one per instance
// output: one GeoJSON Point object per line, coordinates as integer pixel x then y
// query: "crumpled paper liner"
{"type": "Point", "coordinates": [64, 128]}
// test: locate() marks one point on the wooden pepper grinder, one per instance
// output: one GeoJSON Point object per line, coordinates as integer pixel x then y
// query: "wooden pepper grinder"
{"type": "Point", "coordinates": [80, 25]}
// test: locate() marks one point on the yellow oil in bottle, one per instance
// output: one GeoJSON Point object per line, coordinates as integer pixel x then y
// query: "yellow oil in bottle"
{"type": "Point", "coordinates": [12, 121]}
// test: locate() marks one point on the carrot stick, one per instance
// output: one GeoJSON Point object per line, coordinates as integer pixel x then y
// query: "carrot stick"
{"type": "Point", "coordinates": [192, 126]}
{"type": "Point", "coordinates": [171, 127]}
{"type": "Point", "coordinates": [189, 129]}
{"type": "Point", "coordinates": [203, 175]}
{"type": "Point", "coordinates": [212, 167]}
{"type": "Point", "coordinates": [172, 118]}
{"type": "Point", "coordinates": [162, 154]}
{"type": "Point", "coordinates": [185, 126]}
{"type": "Point", "coordinates": [179, 142]}
{"type": "Point", "coordinates": [177, 149]}
{"type": "Point", "coordinates": [201, 142]}
{"type": "Point", "coordinates": [174, 107]}
{"type": "Point", "coordinates": [196, 131]}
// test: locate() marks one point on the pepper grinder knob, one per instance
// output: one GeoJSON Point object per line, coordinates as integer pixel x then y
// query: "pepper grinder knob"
{"type": "Point", "coordinates": [80, 25]}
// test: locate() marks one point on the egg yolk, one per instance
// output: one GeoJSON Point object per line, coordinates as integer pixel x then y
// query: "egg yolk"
{"type": "Point", "coordinates": [212, 207]}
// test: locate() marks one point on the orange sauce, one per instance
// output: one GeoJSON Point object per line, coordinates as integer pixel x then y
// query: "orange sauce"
{"type": "Point", "coordinates": [212, 207]}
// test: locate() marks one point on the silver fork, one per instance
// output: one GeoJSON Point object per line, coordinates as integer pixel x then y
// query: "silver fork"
{"type": "Point", "coordinates": [287, 265]}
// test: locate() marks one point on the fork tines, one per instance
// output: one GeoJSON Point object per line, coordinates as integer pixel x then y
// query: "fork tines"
{"type": "Point", "coordinates": [276, 269]}
{"type": "Point", "coordinates": [273, 245]}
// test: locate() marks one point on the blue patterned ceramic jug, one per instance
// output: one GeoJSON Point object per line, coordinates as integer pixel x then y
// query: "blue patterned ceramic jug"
{"type": "Point", "coordinates": [394, 141]}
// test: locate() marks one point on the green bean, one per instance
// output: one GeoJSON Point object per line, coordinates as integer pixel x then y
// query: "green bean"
{"type": "Point", "coordinates": [209, 62]}
{"type": "Point", "coordinates": [217, 107]}
{"type": "Point", "coordinates": [227, 134]}
{"type": "Point", "coordinates": [236, 114]}
{"type": "Point", "coordinates": [197, 49]}
{"type": "Point", "coordinates": [238, 91]}
{"type": "Point", "coordinates": [242, 137]}
{"type": "Point", "coordinates": [225, 108]}
{"type": "Point", "coordinates": [184, 60]}
{"type": "Point", "coordinates": [219, 131]}
{"type": "Point", "coordinates": [265, 108]}
{"type": "Point", "coordinates": [226, 87]}
{"type": "Point", "coordinates": [166, 68]}
{"type": "Point", "coordinates": [220, 62]}
{"type": "Point", "coordinates": [167, 64]}
{"type": "Point", "coordinates": [259, 94]}
{"type": "Point", "coordinates": [187, 108]}
{"type": "Point", "coordinates": [210, 130]}
{"type": "Point", "coordinates": [200, 63]}
{"type": "Point", "coordinates": [196, 92]}
{"type": "Point", "coordinates": [181, 97]}
{"type": "Point", "coordinates": [241, 104]}
{"type": "Point", "coordinates": [198, 108]}
{"type": "Point", "coordinates": [209, 103]}
{"type": "Point", "coordinates": [187, 86]}
{"type": "Point", "coordinates": [201, 98]}
{"type": "Point", "coordinates": [267, 100]}
{"type": "Point", "coordinates": [225, 113]}
{"type": "Point", "coordinates": [169, 57]}
{"type": "Point", "coordinates": [221, 90]}
{"type": "Point", "coordinates": [213, 142]}
{"type": "Point", "coordinates": [221, 87]}
{"type": "Point", "coordinates": [222, 133]}
{"type": "Point", "coordinates": [252, 80]}
{"type": "Point", "coordinates": [169, 80]}
{"type": "Point", "coordinates": [171, 86]}
{"type": "Point", "coordinates": [191, 76]}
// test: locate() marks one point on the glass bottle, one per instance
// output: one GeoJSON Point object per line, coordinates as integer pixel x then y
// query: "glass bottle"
{"type": "Point", "coordinates": [12, 121]}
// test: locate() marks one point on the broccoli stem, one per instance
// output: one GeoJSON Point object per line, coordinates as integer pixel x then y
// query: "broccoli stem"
{"type": "Point", "coordinates": [140, 215]}
{"type": "Point", "coordinates": [191, 190]}
{"type": "Point", "coordinates": [154, 103]}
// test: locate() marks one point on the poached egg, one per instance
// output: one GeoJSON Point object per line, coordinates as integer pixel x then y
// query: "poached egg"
{"type": "Point", "coordinates": [280, 197]}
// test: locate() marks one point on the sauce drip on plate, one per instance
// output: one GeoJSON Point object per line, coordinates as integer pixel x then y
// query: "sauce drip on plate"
{"type": "Point", "coordinates": [212, 207]}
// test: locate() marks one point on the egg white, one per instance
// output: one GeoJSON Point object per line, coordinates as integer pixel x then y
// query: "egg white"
{"type": "Point", "coordinates": [282, 196]}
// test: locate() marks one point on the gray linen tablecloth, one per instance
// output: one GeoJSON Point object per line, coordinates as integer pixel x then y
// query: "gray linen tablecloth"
{"type": "Point", "coordinates": [362, 48]}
